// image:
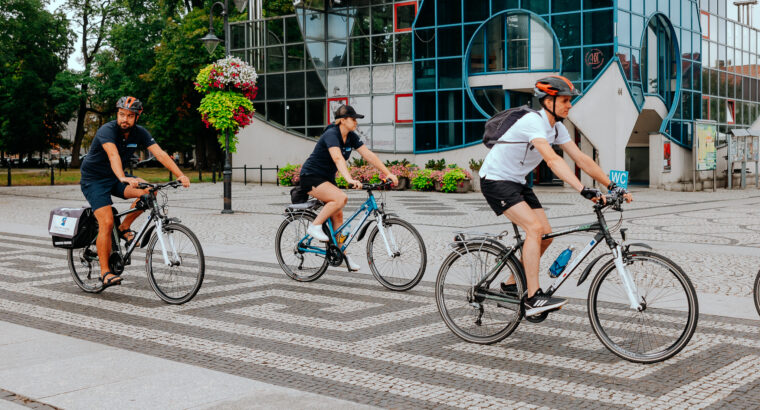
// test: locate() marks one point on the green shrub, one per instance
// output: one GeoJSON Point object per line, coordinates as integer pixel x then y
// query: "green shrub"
{"type": "Point", "coordinates": [475, 165]}
{"type": "Point", "coordinates": [422, 180]}
{"type": "Point", "coordinates": [289, 175]}
{"type": "Point", "coordinates": [452, 178]}
{"type": "Point", "coordinates": [436, 165]}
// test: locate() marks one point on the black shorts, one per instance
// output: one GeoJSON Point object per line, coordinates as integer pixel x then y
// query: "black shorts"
{"type": "Point", "coordinates": [312, 181]}
{"type": "Point", "coordinates": [99, 192]}
{"type": "Point", "coordinates": [502, 195]}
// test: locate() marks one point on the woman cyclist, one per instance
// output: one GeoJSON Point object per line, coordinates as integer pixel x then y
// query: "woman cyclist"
{"type": "Point", "coordinates": [329, 156]}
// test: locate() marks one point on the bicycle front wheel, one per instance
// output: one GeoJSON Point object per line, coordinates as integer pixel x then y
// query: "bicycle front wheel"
{"type": "Point", "coordinates": [180, 281]}
{"type": "Point", "coordinates": [397, 256]}
{"type": "Point", "coordinates": [757, 293]}
{"type": "Point", "coordinates": [463, 308]}
{"type": "Point", "coordinates": [303, 259]}
{"type": "Point", "coordinates": [84, 266]}
{"type": "Point", "coordinates": [665, 323]}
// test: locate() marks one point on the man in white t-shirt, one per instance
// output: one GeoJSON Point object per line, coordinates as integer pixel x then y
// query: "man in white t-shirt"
{"type": "Point", "coordinates": [519, 151]}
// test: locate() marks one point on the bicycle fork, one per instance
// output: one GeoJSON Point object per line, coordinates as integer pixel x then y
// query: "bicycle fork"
{"type": "Point", "coordinates": [391, 247]}
{"type": "Point", "coordinates": [630, 287]}
{"type": "Point", "coordinates": [159, 231]}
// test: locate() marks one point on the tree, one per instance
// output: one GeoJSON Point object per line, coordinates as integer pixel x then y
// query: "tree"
{"type": "Point", "coordinates": [94, 19]}
{"type": "Point", "coordinates": [35, 45]}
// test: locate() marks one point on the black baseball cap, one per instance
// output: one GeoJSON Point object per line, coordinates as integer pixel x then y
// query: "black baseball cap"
{"type": "Point", "coordinates": [346, 111]}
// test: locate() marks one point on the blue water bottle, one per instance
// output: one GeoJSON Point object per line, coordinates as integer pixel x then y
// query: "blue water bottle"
{"type": "Point", "coordinates": [559, 264]}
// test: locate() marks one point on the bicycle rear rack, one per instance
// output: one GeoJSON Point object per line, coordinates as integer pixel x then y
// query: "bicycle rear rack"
{"type": "Point", "coordinates": [464, 238]}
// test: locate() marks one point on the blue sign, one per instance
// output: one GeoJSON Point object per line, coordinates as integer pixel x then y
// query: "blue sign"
{"type": "Point", "coordinates": [620, 178]}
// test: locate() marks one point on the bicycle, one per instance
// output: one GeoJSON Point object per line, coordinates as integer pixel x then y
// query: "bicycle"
{"type": "Point", "coordinates": [646, 312]}
{"type": "Point", "coordinates": [757, 292]}
{"type": "Point", "coordinates": [178, 248]}
{"type": "Point", "coordinates": [395, 250]}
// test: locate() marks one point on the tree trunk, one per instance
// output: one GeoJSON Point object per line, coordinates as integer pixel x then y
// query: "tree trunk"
{"type": "Point", "coordinates": [79, 134]}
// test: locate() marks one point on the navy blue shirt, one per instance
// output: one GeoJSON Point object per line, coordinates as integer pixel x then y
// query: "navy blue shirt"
{"type": "Point", "coordinates": [320, 163]}
{"type": "Point", "coordinates": [96, 165]}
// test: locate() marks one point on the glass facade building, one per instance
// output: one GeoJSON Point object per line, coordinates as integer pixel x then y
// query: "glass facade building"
{"type": "Point", "coordinates": [428, 74]}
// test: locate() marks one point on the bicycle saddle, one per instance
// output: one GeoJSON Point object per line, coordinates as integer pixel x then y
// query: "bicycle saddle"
{"type": "Point", "coordinates": [310, 204]}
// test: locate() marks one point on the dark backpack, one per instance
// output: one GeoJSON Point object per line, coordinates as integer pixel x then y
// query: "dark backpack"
{"type": "Point", "coordinates": [501, 122]}
{"type": "Point", "coordinates": [299, 194]}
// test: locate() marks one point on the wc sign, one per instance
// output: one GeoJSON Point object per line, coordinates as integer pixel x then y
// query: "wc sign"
{"type": "Point", "coordinates": [620, 178]}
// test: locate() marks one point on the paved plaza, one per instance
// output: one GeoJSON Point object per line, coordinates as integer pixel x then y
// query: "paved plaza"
{"type": "Point", "coordinates": [254, 338]}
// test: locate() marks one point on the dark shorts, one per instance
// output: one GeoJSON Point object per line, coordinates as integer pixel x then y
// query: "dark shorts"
{"type": "Point", "coordinates": [312, 181]}
{"type": "Point", "coordinates": [99, 192]}
{"type": "Point", "coordinates": [502, 195]}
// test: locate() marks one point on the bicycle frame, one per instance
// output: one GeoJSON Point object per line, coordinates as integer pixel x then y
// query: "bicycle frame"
{"type": "Point", "coordinates": [602, 233]}
{"type": "Point", "coordinates": [367, 208]}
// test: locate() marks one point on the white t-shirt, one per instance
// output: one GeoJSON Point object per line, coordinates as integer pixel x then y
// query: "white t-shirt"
{"type": "Point", "coordinates": [513, 162]}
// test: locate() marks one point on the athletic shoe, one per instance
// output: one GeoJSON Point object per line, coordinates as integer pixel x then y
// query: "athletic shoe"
{"type": "Point", "coordinates": [510, 290]}
{"type": "Point", "coordinates": [540, 303]}
{"type": "Point", "coordinates": [316, 232]}
{"type": "Point", "coordinates": [353, 267]}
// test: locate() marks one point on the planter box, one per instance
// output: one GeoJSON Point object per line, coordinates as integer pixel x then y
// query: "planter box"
{"type": "Point", "coordinates": [462, 187]}
{"type": "Point", "coordinates": [403, 183]}
{"type": "Point", "coordinates": [437, 186]}
{"type": "Point", "coordinates": [475, 181]}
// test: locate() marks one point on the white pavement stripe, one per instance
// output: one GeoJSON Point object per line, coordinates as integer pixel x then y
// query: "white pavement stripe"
{"type": "Point", "coordinates": [369, 380]}
{"type": "Point", "coordinates": [713, 387]}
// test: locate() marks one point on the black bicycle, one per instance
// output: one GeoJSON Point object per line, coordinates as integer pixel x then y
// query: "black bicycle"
{"type": "Point", "coordinates": [395, 250]}
{"type": "Point", "coordinates": [641, 305]}
{"type": "Point", "coordinates": [174, 258]}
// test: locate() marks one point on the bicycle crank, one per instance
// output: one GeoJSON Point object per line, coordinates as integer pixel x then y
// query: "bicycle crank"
{"type": "Point", "coordinates": [116, 264]}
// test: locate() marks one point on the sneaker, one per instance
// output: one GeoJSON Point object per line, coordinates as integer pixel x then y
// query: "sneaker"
{"type": "Point", "coordinates": [316, 232]}
{"type": "Point", "coordinates": [353, 267]}
{"type": "Point", "coordinates": [540, 303]}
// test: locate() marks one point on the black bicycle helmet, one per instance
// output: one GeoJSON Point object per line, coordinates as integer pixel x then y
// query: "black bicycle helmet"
{"type": "Point", "coordinates": [554, 86]}
{"type": "Point", "coordinates": [131, 104]}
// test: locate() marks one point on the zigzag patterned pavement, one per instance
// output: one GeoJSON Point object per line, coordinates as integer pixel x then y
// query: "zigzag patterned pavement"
{"type": "Point", "coordinates": [347, 337]}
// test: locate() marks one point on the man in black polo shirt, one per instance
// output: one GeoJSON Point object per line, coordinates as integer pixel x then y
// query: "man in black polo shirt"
{"type": "Point", "coordinates": [103, 175]}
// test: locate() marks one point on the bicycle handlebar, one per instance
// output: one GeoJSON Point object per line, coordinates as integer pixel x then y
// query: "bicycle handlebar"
{"type": "Point", "coordinates": [612, 200]}
{"type": "Point", "coordinates": [156, 187]}
{"type": "Point", "coordinates": [384, 184]}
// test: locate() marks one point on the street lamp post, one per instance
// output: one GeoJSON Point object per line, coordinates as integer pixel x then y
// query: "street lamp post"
{"type": "Point", "coordinates": [210, 40]}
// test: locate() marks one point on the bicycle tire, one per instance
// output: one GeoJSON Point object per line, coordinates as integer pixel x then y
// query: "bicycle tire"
{"type": "Point", "coordinates": [458, 312]}
{"type": "Point", "coordinates": [299, 222]}
{"type": "Point", "coordinates": [397, 280]}
{"type": "Point", "coordinates": [85, 270]}
{"type": "Point", "coordinates": [756, 292]}
{"type": "Point", "coordinates": [161, 280]}
{"type": "Point", "coordinates": [604, 313]}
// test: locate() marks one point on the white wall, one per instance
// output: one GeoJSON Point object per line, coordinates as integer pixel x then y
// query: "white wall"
{"type": "Point", "coordinates": [681, 174]}
{"type": "Point", "coordinates": [606, 115]}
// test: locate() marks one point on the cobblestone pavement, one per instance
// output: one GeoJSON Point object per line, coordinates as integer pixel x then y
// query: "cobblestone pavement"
{"type": "Point", "coordinates": [346, 337]}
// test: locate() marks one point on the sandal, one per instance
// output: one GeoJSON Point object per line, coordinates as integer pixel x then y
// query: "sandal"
{"type": "Point", "coordinates": [110, 281]}
{"type": "Point", "coordinates": [123, 235]}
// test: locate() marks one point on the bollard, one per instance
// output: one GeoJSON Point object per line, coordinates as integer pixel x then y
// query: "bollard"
{"type": "Point", "coordinates": [200, 175]}
{"type": "Point", "coordinates": [213, 174]}
{"type": "Point", "coordinates": [261, 175]}
{"type": "Point", "coordinates": [52, 174]}
{"type": "Point", "coordinates": [9, 174]}
{"type": "Point", "coordinates": [277, 175]}
{"type": "Point", "coordinates": [245, 174]}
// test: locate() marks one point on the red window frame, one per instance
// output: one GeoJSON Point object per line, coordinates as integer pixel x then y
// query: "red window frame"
{"type": "Point", "coordinates": [707, 97]}
{"type": "Point", "coordinates": [398, 121]}
{"type": "Point", "coordinates": [395, 15]}
{"type": "Point", "coordinates": [329, 111]}
{"type": "Point", "coordinates": [708, 25]}
{"type": "Point", "coordinates": [731, 105]}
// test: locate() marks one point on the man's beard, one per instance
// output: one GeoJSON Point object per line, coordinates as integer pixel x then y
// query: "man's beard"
{"type": "Point", "coordinates": [124, 131]}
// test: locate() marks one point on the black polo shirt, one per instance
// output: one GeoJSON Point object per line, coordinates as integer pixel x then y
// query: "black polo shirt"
{"type": "Point", "coordinates": [96, 165]}
{"type": "Point", "coordinates": [320, 163]}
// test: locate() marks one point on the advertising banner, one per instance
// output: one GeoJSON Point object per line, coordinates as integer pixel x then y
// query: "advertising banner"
{"type": "Point", "coordinates": [706, 154]}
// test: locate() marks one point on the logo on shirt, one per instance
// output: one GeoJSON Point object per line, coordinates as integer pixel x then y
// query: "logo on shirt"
{"type": "Point", "coordinates": [131, 145]}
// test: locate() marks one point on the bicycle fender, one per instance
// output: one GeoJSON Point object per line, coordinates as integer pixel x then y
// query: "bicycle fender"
{"type": "Point", "coordinates": [494, 242]}
{"type": "Point", "coordinates": [590, 266]}
{"type": "Point", "coordinates": [364, 230]}
{"type": "Point", "coordinates": [641, 245]}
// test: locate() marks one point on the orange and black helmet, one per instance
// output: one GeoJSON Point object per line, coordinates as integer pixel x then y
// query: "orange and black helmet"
{"type": "Point", "coordinates": [131, 104]}
{"type": "Point", "coordinates": [553, 86]}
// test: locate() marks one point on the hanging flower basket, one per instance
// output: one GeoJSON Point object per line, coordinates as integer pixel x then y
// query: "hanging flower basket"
{"type": "Point", "coordinates": [229, 86]}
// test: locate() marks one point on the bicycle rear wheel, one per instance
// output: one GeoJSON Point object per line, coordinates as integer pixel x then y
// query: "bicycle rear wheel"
{"type": "Point", "coordinates": [84, 266]}
{"type": "Point", "coordinates": [757, 292]}
{"type": "Point", "coordinates": [666, 323]}
{"type": "Point", "coordinates": [298, 263]}
{"type": "Point", "coordinates": [180, 282]}
{"type": "Point", "coordinates": [473, 318]}
{"type": "Point", "coordinates": [403, 268]}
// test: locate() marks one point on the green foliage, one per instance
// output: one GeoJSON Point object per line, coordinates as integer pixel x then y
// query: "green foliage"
{"type": "Point", "coordinates": [272, 8]}
{"type": "Point", "coordinates": [289, 174]}
{"type": "Point", "coordinates": [219, 109]}
{"type": "Point", "coordinates": [422, 180]}
{"type": "Point", "coordinates": [35, 45]}
{"type": "Point", "coordinates": [404, 162]}
{"type": "Point", "coordinates": [475, 164]}
{"type": "Point", "coordinates": [359, 162]}
{"type": "Point", "coordinates": [451, 179]}
{"type": "Point", "coordinates": [436, 165]}
{"type": "Point", "coordinates": [341, 182]}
